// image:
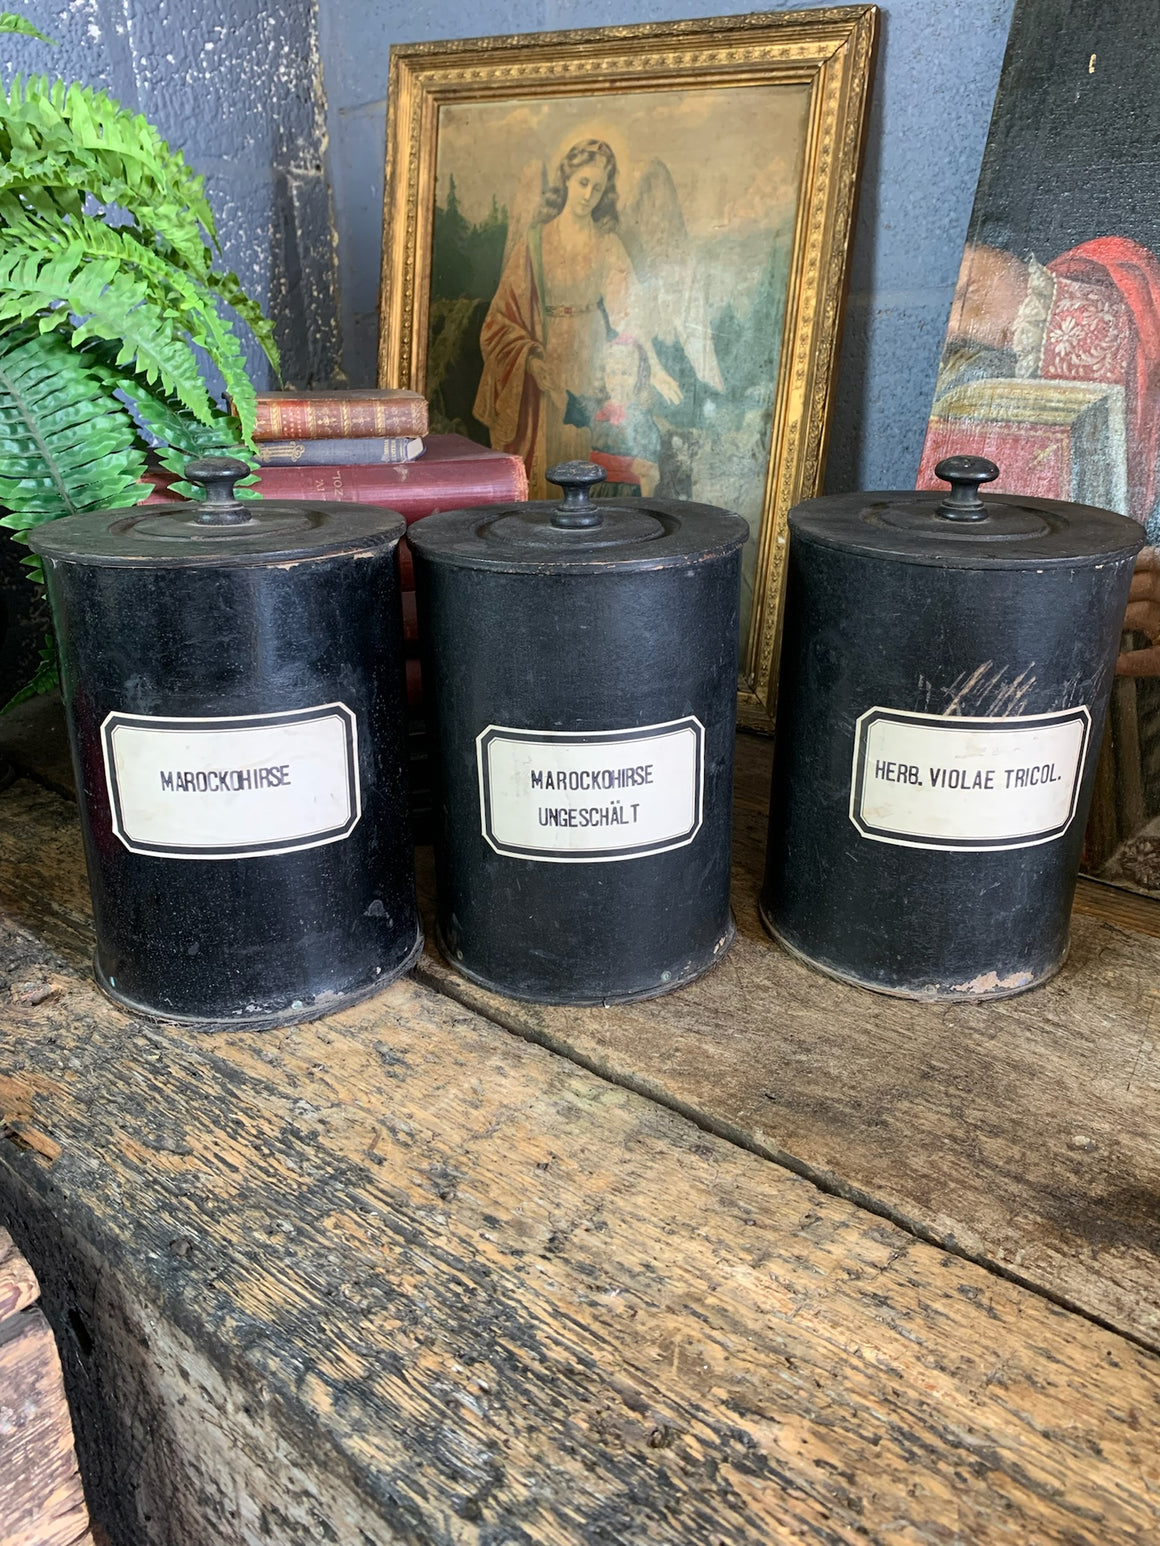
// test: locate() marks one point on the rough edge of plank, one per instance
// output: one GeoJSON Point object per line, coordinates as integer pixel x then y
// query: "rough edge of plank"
{"type": "Point", "coordinates": [42, 1500]}
{"type": "Point", "coordinates": [18, 1285]}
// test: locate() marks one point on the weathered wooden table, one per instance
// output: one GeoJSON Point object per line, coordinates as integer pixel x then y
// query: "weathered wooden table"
{"type": "Point", "coordinates": [767, 1260]}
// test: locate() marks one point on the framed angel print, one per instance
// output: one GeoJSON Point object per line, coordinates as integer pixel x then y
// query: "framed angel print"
{"type": "Point", "coordinates": [629, 245]}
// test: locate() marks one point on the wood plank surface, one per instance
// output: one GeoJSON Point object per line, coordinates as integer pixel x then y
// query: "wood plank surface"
{"type": "Point", "coordinates": [487, 1297]}
{"type": "Point", "coordinates": [1129, 909]}
{"type": "Point", "coordinates": [18, 1285]}
{"type": "Point", "coordinates": [41, 1500]}
{"type": "Point", "coordinates": [1022, 1133]}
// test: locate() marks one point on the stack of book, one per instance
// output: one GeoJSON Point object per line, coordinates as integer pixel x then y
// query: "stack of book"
{"type": "Point", "coordinates": [349, 429]}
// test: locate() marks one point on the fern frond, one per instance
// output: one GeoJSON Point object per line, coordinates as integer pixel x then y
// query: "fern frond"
{"type": "Point", "coordinates": [221, 343]}
{"type": "Point", "coordinates": [107, 293]}
{"type": "Point", "coordinates": [66, 445]}
{"type": "Point", "coordinates": [10, 22]}
{"type": "Point", "coordinates": [223, 440]}
{"type": "Point", "coordinates": [165, 424]}
{"type": "Point", "coordinates": [102, 301]}
{"type": "Point", "coordinates": [101, 125]}
{"type": "Point", "coordinates": [229, 287]}
{"type": "Point", "coordinates": [46, 677]}
{"type": "Point", "coordinates": [188, 303]}
{"type": "Point", "coordinates": [177, 439]}
{"type": "Point", "coordinates": [56, 139]}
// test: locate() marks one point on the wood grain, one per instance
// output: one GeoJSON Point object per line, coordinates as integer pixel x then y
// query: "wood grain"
{"type": "Point", "coordinates": [1130, 909]}
{"type": "Point", "coordinates": [487, 1297]}
{"type": "Point", "coordinates": [1020, 1133]}
{"type": "Point", "coordinates": [18, 1285]}
{"type": "Point", "coordinates": [178, 1450]}
{"type": "Point", "coordinates": [41, 1501]}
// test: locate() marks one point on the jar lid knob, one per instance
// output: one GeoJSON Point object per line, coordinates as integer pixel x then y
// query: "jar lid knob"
{"type": "Point", "coordinates": [964, 474]}
{"type": "Point", "coordinates": [579, 508]}
{"type": "Point", "coordinates": [217, 475]}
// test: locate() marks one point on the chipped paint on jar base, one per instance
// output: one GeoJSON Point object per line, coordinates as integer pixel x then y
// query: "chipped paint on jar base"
{"type": "Point", "coordinates": [981, 989]}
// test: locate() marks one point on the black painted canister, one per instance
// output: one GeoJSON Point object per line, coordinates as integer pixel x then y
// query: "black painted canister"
{"type": "Point", "coordinates": [581, 669]}
{"type": "Point", "coordinates": [233, 678]}
{"type": "Point", "coordinates": [946, 669]}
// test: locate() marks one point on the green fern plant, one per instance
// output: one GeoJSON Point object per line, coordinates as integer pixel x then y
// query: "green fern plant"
{"type": "Point", "coordinates": [107, 287]}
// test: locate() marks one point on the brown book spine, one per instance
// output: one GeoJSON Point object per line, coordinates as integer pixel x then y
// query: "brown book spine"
{"type": "Point", "coordinates": [338, 418]}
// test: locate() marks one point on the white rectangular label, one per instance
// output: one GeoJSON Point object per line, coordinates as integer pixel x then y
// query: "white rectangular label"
{"type": "Point", "coordinates": [594, 797]}
{"type": "Point", "coordinates": [231, 788]}
{"type": "Point", "coordinates": [937, 781]}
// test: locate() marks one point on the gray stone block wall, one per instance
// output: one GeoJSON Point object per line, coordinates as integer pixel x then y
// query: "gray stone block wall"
{"type": "Point", "coordinates": [237, 86]}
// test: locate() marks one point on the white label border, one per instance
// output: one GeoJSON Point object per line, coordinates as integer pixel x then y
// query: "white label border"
{"type": "Point", "coordinates": [862, 724]}
{"type": "Point", "coordinates": [587, 738]}
{"type": "Point", "coordinates": [260, 850]}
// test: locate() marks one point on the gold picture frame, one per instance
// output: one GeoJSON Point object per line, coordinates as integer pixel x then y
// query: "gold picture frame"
{"type": "Point", "coordinates": [780, 100]}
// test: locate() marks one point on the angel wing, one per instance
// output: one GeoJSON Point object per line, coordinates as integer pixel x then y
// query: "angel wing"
{"type": "Point", "coordinates": [529, 191]}
{"type": "Point", "coordinates": [656, 239]}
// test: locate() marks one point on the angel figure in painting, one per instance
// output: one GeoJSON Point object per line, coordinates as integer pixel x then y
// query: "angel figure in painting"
{"type": "Point", "coordinates": [579, 273]}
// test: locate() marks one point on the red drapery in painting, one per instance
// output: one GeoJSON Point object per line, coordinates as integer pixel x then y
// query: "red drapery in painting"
{"type": "Point", "coordinates": [1135, 275]}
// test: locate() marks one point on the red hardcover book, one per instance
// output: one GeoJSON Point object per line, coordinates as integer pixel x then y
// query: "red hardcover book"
{"type": "Point", "coordinates": [339, 415]}
{"type": "Point", "coordinates": [452, 473]}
